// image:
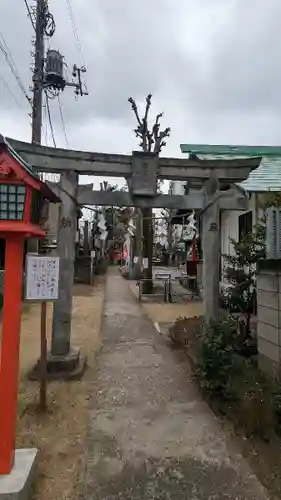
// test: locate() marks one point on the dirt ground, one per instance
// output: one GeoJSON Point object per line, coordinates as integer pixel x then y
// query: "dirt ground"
{"type": "Point", "coordinates": [60, 435]}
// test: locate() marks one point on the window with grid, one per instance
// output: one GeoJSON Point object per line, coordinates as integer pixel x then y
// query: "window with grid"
{"type": "Point", "coordinates": [12, 199]}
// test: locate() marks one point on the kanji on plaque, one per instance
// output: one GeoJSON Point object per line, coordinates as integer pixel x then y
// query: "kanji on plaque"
{"type": "Point", "coordinates": [42, 278]}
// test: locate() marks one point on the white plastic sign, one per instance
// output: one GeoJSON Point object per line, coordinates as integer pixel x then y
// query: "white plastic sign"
{"type": "Point", "coordinates": [42, 278]}
{"type": "Point", "coordinates": [145, 263]}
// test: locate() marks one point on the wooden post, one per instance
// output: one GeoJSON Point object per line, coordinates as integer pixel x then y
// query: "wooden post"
{"type": "Point", "coordinates": [43, 359]}
{"type": "Point", "coordinates": [9, 364]}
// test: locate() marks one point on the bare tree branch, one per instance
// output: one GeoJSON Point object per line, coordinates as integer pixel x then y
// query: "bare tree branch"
{"type": "Point", "coordinates": [150, 141]}
{"type": "Point", "coordinates": [156, 126]}
{"type": "Point", "coordinates": [149, 138]}
{"type": "Point", "coordinates": [135, 109]}
{"type": "Point", "coordinates": [159, 143]}
{"type": "Point", "coordinates": [148, 104]}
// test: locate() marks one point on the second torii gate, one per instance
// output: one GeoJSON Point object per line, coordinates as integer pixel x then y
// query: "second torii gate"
{"type": "Point", "coordinates": [141, 171]}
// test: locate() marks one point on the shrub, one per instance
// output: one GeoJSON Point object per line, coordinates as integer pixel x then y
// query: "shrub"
{"type": "Point", "coordinates": [185, 330]}
{"type": "Point", "coordinates": [234, 386]}
{"type": "Point", "coordinates": [240, 272]}
{"type": "Point", "coordinates": [216, 364]}
{"type": "Point", "coordinates": [254, 408]}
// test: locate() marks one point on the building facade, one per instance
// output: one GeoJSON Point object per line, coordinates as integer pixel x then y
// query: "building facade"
{"type": "Point", "coordinates": [266, 178]}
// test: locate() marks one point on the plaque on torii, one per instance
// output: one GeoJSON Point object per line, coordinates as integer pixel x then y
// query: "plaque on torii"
{"type": "Point", "coordinates": [144, 174]}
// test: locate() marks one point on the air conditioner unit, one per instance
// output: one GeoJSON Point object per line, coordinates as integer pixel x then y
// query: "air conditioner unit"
{"type": "Point", "coordinates": [273, 233]}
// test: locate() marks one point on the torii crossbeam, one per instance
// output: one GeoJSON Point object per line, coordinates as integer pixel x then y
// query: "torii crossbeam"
{"type": "Point", "coordinates": [141, 171]}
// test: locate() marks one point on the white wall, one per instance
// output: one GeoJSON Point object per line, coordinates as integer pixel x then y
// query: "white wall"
{"type": "Point", "coordinates": [177, 187]}
{"type": "Point", "coordinates": [268, 313]}
{"type": "Point", "coordinates": [230, 227]}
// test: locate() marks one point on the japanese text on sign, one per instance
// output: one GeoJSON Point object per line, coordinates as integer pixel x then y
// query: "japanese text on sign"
{"type": "Point", "coordinates": [42, 278]}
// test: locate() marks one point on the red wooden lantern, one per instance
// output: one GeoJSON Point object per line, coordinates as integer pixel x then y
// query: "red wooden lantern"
{"type": "Point", "coordinates": [22, 197]}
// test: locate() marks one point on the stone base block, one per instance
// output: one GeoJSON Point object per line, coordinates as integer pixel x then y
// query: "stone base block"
{"type": "Point", "coordinates": [69, 366]}
{"type": "Point", "coordinates": [17, 485]}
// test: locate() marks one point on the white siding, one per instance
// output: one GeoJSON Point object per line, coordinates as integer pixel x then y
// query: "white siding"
{"type": "Point", "coordinates": [177, 187]}
{"type": "Point", "coordinates": [230, 227]}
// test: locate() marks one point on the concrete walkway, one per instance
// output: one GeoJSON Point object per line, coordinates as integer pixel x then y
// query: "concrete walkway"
{"type": "Point", "coordinates": [151, 436]}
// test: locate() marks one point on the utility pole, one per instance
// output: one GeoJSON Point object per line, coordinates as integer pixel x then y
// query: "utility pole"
{"type": "Point", "coordinates": [37, 78]}
{"type": "Point", "coordinates": [38, 74]}
{"type": "Point", "coordinates": [48, 77]}
{"type": "Point", "coordinates": [37, 103]}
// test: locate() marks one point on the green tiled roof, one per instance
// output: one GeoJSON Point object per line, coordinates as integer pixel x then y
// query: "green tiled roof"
{"type": "Point", "coordinates": [267, 177]}
{"type": "Point", "coordinates": [231, 150]}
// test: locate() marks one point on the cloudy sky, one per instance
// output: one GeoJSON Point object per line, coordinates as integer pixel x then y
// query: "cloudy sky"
{"type": "Point", "coordinates": [213, 66]}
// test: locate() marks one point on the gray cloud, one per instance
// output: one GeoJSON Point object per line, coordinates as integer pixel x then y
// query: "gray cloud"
{"type": "Point", "coordinates": [212, 66]}
{"type": "Point", "coordinates": [240, 73]}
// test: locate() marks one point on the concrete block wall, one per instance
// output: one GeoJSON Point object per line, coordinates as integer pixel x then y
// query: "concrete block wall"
{"type": "Point", "coordinates": [269, 314]}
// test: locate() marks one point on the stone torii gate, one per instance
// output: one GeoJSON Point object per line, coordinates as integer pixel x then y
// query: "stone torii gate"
{"type": "Point", "coordinates": [141, 171]}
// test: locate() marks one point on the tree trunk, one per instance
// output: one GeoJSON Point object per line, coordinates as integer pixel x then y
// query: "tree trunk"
{"type": "Point", "coordinates": [147, 249]}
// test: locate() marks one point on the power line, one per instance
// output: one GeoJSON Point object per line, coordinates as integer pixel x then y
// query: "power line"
{"type": "Point", "coordinates": [75, 31]}
{"type": "Point", "coordinates": [63, 122]}
{"type": "Point", "coordinates": [30, 15]}
{"type": "Point", "coordinates": [76, 35]}
{"type": "Point", "coordinates": [12, 65]}
{"type": "Point", "coordinates": [10, 91]}
{"type": "Point", "coordinates": [50, 120]}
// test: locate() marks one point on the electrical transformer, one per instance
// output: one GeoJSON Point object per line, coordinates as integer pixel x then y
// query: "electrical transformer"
{"type": "Point", "coordinates": [54, 70]}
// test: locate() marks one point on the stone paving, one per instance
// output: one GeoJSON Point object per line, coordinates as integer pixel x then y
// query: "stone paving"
{"type": "Point", "coordinates": [151, 436]}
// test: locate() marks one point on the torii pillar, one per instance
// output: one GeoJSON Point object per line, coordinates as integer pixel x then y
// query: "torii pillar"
{"type": "Point", "coordinates": [211, 246]}
{"type": "Point", "coordinates": [63, 360]}
{"type": "Point", "coordinates": [214, 201]}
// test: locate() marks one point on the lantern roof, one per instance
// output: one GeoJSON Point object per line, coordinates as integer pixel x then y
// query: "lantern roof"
{"type": "Point", "coordinates": [31, 174]}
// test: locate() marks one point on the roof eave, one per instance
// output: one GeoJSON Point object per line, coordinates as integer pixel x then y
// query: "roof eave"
{"type": "Point", "coordinates": [231, 150]}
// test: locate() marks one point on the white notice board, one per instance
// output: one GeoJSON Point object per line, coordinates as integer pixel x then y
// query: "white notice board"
{"type": "Point", "coordinates": [42, 278]}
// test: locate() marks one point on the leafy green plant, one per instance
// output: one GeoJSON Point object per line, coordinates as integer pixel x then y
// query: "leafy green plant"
{"type": "Point", "coordinates": [216, 364]}
{"type": "Point", "coordinates": [240, 272]}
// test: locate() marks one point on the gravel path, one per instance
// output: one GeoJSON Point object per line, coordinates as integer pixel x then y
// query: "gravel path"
{"type": "Point", "coordinates": [151, 436]}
